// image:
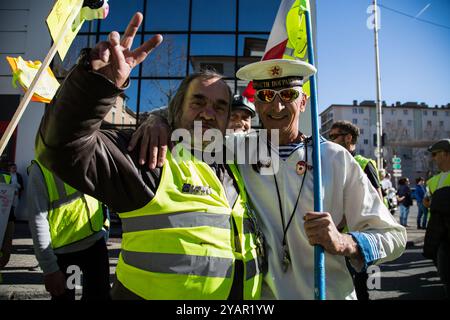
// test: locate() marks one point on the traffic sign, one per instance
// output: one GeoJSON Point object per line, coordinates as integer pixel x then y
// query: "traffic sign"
{"type": "Point", "coordinates": [396, 160]}
{"type": "Point", "coordinates": [397, 175]}
{"type": "Point", "coordinates": [397, 171]}
{"type": "Point", "coordinates": [397, 166]}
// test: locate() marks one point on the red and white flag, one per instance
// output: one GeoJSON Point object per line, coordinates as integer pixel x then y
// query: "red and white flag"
{"type": "Point", "coordinates": [287, 38]}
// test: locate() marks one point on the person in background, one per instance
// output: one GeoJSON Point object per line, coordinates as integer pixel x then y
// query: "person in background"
{"type": "Point", "coordinates": [422, 214]}
{"type": "Point", "coordinates": [68, 231]}
{"type": "Point", "coordinates": [346, 134]}
{"type": "Point", "coordinates": [242, 112]}
{"type": "Point", "coordinates": [404, 200]}
{"type": "Point", "coordinates": [437, 237]}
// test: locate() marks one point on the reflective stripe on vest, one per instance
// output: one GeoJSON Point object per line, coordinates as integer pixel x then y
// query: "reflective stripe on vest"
{"type": "Point", "coordinates": [182, 245]}
{"type": "Point", "coordinates": [72, 216]}
{"type": "Point", "coordinates": [188, 219]}
{"type": "Point", "coordinates": [433, 182]}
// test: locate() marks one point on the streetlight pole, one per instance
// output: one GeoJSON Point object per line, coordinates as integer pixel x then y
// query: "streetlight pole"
{"type": "Point", "coordinates": [379, 148]}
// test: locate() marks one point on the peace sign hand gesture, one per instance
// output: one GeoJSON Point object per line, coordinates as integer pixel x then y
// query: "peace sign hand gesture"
{"type": "Point", "coordinates": [115, 60]}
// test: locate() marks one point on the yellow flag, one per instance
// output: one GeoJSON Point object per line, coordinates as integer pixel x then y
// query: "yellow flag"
{"type": "Point", "coordinates": [24, 73]}
{"type": "Point", "coordinates": [57, 19]}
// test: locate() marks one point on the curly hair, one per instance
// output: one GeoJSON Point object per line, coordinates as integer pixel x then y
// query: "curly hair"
{"type": "Point", "coordinates": [347, 127]}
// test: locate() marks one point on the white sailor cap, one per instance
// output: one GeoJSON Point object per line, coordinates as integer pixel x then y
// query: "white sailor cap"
{"type": "Point", "coordinates": [276, 73]}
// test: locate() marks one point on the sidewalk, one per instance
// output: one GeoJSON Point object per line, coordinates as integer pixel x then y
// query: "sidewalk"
{"type": "Point", "coordinates": [22, 277]}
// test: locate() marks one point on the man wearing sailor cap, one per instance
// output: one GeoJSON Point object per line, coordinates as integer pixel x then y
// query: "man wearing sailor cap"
{"type": "Point", "coordinates": [290, 226]}
{"type": "Point", "coordinates": [284, 200]}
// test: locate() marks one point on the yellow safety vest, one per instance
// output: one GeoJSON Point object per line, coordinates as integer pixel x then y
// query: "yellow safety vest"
{"type": "Point", "coordinates": [184, 243]}
{"type": "Point", "coordinates": [73, 216]}
{"type": "Point", "coordinates": [433, 182]}
{"type": "Point", "coordinates": [5, 178]}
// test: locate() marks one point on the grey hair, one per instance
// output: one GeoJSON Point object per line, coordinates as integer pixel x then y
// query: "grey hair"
{"type": "Point", "coordinates": [176, 103]}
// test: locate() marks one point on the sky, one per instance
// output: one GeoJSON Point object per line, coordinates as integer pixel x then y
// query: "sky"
{"type": "Point", "coordinates": [414, 56]}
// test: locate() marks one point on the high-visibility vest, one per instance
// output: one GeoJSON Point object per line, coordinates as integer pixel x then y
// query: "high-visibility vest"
{"type": "Point", "coordinates": [362, 161]}
{"type": "Point", "coordinates": [5, 178]}
{"type": "Point", "coordinates": [433, 182]}
{"type": "Point", "coordinates": [72, 215]}
{"type": "Point", "coordinates": [184, 243]}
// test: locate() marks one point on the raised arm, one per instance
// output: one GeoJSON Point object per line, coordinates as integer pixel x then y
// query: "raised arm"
{"type": "Point", "coordinates": [70, 141]}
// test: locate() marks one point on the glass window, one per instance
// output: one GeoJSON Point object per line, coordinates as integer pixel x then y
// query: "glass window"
{"type": "Point", "coordinates": [355, 110]}
{"type": "Point", "coordinates": [167, 15]}
{"type": "Point", "coordinates": [428, 123]}
{"type": "Point", "coordinates": [399, 122]}
{"type": "Point", "coordinates": [366, 141]}
{"type": "Point", "coordinates": [120, 13]}
{"type": "Point", "coordinates": [425, 112]}
{"type": "Point", "coordinates": [366, 122]}
{"type": "Point", "coordinates": [89, 26]}
{"type": "Point", "coordinates": [61, 68]}
{"type": "Point", "coordinates": [355, 121]}
{"type": "Point", "coordinates": [210, 49]}
{"type": "Point", "coordinates": [392, 112]}
{"type": "Point", "coordinates": [213, 15]}
{"type": "Point", "coordinates": [169, 59]}
{"type": "Point", "coordinates": [434, 113]}
{"type": "Point", "coordinates": [157, 93]}
{"type": "Point", "coordinates": [361, 110]}
{"type": "Point", "coordinates": [409, 123]}
{"type": "Point", "coordinates": [252, 45]}
{"type": "Point", "coordinates": [441, 123]}
{"type": "Point", "coordinates": [447, 113]}
{"type": "Point", "coordinates": [132, 94]}
{"type": "Point", "coordinates": [361, 131]}
{"type": "Point", "coordinates": [405, 111]}
{"type": "Point", "coordinates": [266, 12]}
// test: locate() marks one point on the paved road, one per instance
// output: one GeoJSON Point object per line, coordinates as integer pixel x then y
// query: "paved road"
{"type": "Point", "coordinates": [409, 277]}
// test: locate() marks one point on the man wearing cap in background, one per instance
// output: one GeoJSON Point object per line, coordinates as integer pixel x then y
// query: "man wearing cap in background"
{"type": "Point", "coordinates": [284, 201]}
{"type": "Point", "coordinates": [242, 112]}
{"type": "Point", "coordinates": [437, 237]}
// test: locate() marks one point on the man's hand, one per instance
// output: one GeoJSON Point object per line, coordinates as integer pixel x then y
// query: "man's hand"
{"type": "Point", "coordinates": [115, 60]}
{"type": "Point", "coordinates": [155, 133]}
{"type": "Point", "coordinates": [55, 283]}
{"type": "Point", "coordinates": [321, 230]}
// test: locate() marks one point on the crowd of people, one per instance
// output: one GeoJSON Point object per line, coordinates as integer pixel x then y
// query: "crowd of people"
{"type": "Point", "coordinates": [196, 228]}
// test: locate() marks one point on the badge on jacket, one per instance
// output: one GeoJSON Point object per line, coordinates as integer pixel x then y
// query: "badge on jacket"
{"type": "Point", "coordinates": [198, 190]}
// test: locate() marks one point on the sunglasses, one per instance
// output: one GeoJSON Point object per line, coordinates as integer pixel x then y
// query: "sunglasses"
{"type": "Point", "coordinates": [268, 95]}
{"type": "Point", "coordinates": [334, 136]}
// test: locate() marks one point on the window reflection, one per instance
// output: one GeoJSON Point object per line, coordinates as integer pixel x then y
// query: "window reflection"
{"type": "Point", "coordinates": [167, 15]}
{"type": "Point", "coordinates": [214, 15]}
{"type": "Point", "coordinates": [169, 59]}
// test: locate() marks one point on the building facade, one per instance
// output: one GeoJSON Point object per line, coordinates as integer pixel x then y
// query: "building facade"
{"type": "Point", "coordinates": [408, 129]}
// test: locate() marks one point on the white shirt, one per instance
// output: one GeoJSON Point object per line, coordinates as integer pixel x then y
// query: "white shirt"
{"type": "Point", "coordinates": [386, 184]}
{"type": "Point", "coordinates": [347, 193]}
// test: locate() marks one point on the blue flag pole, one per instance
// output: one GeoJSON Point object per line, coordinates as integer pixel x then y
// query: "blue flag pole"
{"type": "Point", "coordinates": [319, 255]}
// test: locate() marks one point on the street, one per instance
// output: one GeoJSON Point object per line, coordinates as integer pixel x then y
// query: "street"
{"type": "Point", "coordinates": [411, 277]}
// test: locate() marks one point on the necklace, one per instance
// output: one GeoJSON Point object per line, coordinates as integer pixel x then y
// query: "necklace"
{"type": "Point", "coordinates": [286, 259]}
